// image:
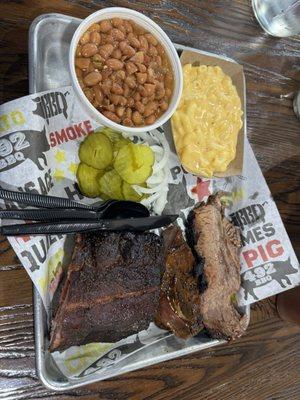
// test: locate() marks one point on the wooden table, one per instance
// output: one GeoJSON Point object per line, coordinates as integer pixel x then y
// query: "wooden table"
{"type": "Point", "coordinates": [265, 363]}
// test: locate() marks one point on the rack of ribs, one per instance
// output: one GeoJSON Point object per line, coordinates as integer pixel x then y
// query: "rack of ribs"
{"type": "Point", "coordinates": [111, 289]}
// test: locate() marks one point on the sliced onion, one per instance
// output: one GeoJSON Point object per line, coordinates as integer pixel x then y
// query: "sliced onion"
{"type": "Point", "coordinates": [161, 201]}
{"type": "Point", "coordinates": [151, 199]}
{"type": "Point", "coordinates": [162, 163]}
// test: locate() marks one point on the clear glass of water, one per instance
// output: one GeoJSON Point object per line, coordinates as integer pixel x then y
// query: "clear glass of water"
{"type": "Point", "coordinates": [279, 18]}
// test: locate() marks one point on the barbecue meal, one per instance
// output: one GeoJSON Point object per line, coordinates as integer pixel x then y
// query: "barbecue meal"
{"type": "Point", "coordinates": [111, 289]}
{"type": "Point", "coordinates": [179, 305]}
{"type": "Point", "coordinates": [207, 121]}
{"type": "Point", "coordinates": [117, 283]}
{"type": "Point", "coordinates": [124, 72]}
{"type": "Point", "coordinates": [217, 243]}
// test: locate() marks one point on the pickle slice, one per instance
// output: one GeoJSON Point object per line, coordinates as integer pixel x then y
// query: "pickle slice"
{"type": "Point", "coordinates": [129, 193]}
{"type": "Point", "coordinates": [112, 135]}
{"type": "Point", "coordinates": [87, 178]}
{"type": "Point", "coordinates": [134, 163]}
{"type": "Point", "coordinates": [116, 138]}
{"type": "Point", "coordinates": [119, 144]}
{"type": "Point", "coordinates": [96, 151]}
{"type": "Point", "coordinates": [110, 185]}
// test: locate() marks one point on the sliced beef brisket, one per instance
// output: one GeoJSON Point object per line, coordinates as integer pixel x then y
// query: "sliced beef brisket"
{"type": "Point", "coordinates": [217, 243]}
{"type": "Point", "coordinates": [179, 306]}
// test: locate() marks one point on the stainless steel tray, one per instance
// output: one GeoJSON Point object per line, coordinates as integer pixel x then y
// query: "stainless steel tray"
{"type": "Point", "coordinates": [49, 38]}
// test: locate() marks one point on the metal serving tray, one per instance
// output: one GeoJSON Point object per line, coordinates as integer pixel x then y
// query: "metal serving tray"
{"type": "Point", "coordinates": [49, 39]}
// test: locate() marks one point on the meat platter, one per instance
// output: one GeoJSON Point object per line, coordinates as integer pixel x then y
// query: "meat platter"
{"type": "Point", "coordinates": [48, 69]}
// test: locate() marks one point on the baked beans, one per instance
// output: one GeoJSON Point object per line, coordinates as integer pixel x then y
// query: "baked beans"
{"type": "Point", "coordinates": [124, 72]}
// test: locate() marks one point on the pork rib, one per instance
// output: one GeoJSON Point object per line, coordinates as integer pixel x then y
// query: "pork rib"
{"type": "Point", "coordinates": [111, 289]}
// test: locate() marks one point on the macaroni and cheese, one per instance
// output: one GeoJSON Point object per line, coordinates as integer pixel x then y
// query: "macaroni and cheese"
{"type": "Point", "coordinates": [207, 121]}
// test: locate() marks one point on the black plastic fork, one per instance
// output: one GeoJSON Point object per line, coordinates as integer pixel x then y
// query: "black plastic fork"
{"type": "Point", "coordinates": [58, 208]}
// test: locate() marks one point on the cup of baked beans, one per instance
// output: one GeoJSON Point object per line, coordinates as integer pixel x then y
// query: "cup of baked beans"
{"type": "Point", "coordinates": [125, 70]}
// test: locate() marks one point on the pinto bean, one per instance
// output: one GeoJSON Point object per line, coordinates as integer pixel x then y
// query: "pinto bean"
{"type": "Point", "coordinates": [140, 107]}
{"type": "Point", "coordinates": [150, 120]}
{"type": "Point", "coordinates": [98, 94]}
{"type": "Point", "coordinates": [94, 28]}
{"type": "Point", "coordinates": [128, 26]}
{"type": "Point", "coordinates": [128, 113]}
{"type": "Point", "coordinates": [130, 81]}
{"type": "Point", "coordinates": [149, 88]}
{"type": "Point", "coordinates": [141, 78]}
{"type": "Point", "coordinates": [150, 108]}
{"type": "Point", "coordinates": [152, 50]}
{"type": "Point", "coordinates": [117, 34]}
{"type": "Point", "coordinates": [92, 78]}
{"type": "Point", "coordinates": [117, 22]}
{"type": "Point", "coordinates": [137, 118]}
{"type": "Point", "coordinates": [126, 49]}
{"type": "Point", "coordinates": [133, 40]}
{"type": "Point", "coordinates": [89, 93]}
{"type": "Point", "coordinates": [105, 26]}
{"type": "Point", "coordinates": [112, 116]}
{"type": "Point", "coordinates": [144, 45]}
{"type": "Point", "coordinates": [151, 39]}
{"type": "Point", "coordinates": [120, 111]}
{"type": "Point", "coordinates": [138, 57]}
{"type": "Point", "coordinates": [117, 54]}
{"type": "Point", "coordinates": [142, 68]}
{"type": "Point", "coordinates": [82, 63]}
{"type": "Point", "coordinates": [114, 63]}
{"type": "Point", "coordinates": [127, 122]}
{"type": "Point", "coordinates": [130, 68]}
{"type": "Point", "coordinates": [130, 102]}
{"type": "Point", "coordinates": [121, 74]}
{"type": "Point", "coordinates": [106, 50]}
{"type": "Point", "coordinates": [85, 38]}
{"type": "Point", "coordinates": [163, 106]}
{"type": "Point", "coordinates": [89, 49]}
{"type": "Point", "coordinates": [95, 37]}
{"type": "Point", "coordinates": [117, 89]}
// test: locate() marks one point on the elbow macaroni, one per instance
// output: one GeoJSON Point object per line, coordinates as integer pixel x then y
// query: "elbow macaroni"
{"type": "Point", "coordinates": [207, 121]}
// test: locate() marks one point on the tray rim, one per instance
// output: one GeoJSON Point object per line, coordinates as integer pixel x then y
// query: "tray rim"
{"type": "Point", "coordinates": [38, 306]}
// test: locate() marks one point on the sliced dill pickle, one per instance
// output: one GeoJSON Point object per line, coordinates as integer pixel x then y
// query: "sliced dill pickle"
{"type": "Point", "coordinates": [96, 151]}
{"type": "Point", "coordinates": [134, 163]}
{"type": "Point", "coordinates": [129, 193]}
{"type": "Point", "coordinates": [119, 144]}
{"type": "Point", "coordinates": [110, 185]}
{"type": "Point", "coordinates": [116, 138]}
{"type": "Point", "coordinates": [87, 178]}
{"type": "Point", "coordinates": [111, 134]}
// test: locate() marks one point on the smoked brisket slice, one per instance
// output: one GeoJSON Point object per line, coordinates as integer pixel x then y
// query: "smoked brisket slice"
{"type": "Point", "coordinates": [111, 289]}
{"type": "Point", "coordinates": [179, 305]}
{"type": "Point", "coordinates": [217, 242]}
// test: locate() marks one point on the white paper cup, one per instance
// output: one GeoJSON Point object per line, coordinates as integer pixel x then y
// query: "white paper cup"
{"type": "Point", "coordinates": [150, 26]}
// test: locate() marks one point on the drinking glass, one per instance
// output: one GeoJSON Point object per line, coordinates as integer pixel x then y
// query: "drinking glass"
{"type": "Point", "coordinates": [278, 17]}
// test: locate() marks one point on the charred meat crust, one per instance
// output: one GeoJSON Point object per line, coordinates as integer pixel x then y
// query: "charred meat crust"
{"type": "Point", "coordinates": [190, 238]}
{"type": "Point", "coordinates": [180, 298]}
{"type": "Point", "coordinates": [111, 289]}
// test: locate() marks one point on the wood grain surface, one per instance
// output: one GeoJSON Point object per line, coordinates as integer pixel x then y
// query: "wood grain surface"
{"type": "Point", "coordinates": [265, 363]}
